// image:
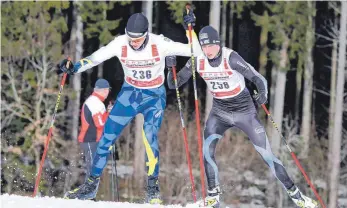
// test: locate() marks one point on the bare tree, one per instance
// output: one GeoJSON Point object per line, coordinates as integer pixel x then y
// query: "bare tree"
{"type": "Point", "coordinates": [336, 143]}
{"type": "Point", "coordinates": [280, 92]}
{"type": "Point", "coordinates": [76, 50]}
{"type": "Point", "coordinates": [308, 82]}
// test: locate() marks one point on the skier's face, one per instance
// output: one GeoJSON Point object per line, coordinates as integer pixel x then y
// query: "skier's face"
{"type": "Point", "coordinates": [210, 50]}
{"type": "Point", "coordinates": [137, 43]}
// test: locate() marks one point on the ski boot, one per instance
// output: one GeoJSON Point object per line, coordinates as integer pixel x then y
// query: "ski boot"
{"type": "Point", "coordinates": [153, 191]}
{"type": "Point", "coordinates": [86, 191]}
{"type": "Point", "coordinates": [212, 200]}
{"type": "Point", "coordinates": [301, 200]}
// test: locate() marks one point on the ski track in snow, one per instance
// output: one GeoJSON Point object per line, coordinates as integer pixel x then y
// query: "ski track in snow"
{"type": "Point", "coordinates": [15, 201]}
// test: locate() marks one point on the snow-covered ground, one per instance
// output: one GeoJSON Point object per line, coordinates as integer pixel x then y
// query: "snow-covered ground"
{"type": "Point", "coordinates": [15, 201]}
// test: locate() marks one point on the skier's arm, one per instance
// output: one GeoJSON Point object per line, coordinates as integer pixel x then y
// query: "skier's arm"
{"type": "Point", "coordinates": [172, 48]}
{"type": "Point", "coordinates": [99, 56]}
{"type": "Point", "coordinates": [237, 63]}
{"type": "Point", "coordinates": [182, 76]}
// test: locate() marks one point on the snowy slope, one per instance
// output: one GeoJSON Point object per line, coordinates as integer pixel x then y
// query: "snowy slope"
{"type": "Point", "coordinates": [15, 201]}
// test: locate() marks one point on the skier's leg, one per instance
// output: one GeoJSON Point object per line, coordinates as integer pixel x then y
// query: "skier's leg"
{"type": "Point", "coordinates": [214, 130]}
{"type": "Point", "coordinates": [121, 114]}
{"type": "Point", "coordinates": [250, 124]}
{"type": "Point", "coordinates": [153, 112]}
{"type": "Point", "coordinates": [215, 127]}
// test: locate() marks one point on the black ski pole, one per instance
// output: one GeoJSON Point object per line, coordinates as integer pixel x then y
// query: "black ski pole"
{"type": "Point", "coordinates": [112, 174]}
{"type": "Point", "coordinates": [114, 168]}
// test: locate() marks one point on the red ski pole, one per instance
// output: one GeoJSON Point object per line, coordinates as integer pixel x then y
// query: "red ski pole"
{"type": "Point", "coordinates": [197, 114]}
{"type": "Point", "coordinates": [184, 133]}
{"type": "Point", "coordinates": [294, 157]}
{"type": "Point", "coordinates": [50, 132]}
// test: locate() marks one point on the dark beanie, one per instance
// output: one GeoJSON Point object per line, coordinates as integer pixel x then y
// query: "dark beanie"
{"type": "Point", "coordinates": [208, 35]}
{"type": "Point", "coordinates": [137, 25]}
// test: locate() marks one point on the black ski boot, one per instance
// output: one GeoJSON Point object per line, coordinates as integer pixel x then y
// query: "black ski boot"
{"type": "Point", "coordinates": [86, 191]}
{"type": "Point", "coordinates": [153, 192]}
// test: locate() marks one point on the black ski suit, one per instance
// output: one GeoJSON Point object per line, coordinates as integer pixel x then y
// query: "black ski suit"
{"type": "Point", "coordinates": [238, 111]}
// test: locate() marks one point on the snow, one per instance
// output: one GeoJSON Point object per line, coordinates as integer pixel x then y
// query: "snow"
{"type": "Point", "coordinates": [15, 201]}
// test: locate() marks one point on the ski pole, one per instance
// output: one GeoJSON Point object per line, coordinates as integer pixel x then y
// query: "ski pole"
{"type": "Point", "coordinates": [117, 187]}
{"type": "Point", "coordinates": [62, 83]}
{"type": "Point", "coordinates": [184, 132]}
{"type": "Point", "coordinates": [114, 167]}
{"type": "Point", "coordinates": [197, 115]}
{"type": "Point", "coordinates": [293, 156]}
{"type": "Point", "coordinates": [112, 174]}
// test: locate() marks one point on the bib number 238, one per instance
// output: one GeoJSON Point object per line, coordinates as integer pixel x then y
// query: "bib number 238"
{"type": "Point", "coordinates": [220, 85]}
{"type": "Point", "coordinates": [138, 74]}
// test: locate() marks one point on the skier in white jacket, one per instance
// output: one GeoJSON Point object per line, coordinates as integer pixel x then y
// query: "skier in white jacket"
{"type": "Point", "coordinates": [142, 55]}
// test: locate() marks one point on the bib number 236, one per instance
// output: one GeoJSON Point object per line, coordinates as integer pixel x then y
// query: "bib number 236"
{"type": "Point", "coordinates": [138, 74]}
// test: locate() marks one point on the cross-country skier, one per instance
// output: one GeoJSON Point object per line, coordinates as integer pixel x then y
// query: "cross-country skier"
{"type": "Point", "coordinates": [142, 55]}
{"type": "Point", "coordinates": [224, 71]}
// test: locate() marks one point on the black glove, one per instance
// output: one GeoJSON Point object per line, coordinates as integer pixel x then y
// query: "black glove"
{"type": "Point", "coordinates": [67, 66]}
{"type": "Point", "coordinates": [260, 97]}
{"type": "Point", "coordinates": [170, 61]}
{"type": "Point", "coordinates": [188, 18]}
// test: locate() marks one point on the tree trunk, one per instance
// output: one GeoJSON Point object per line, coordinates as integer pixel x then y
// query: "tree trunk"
{"type": "Point", "coordinates": [308, 85]}
{"type": "Point", "coordinates": [224, 23]}
{"type": "Point", "coordinates": [231, 27]}
{"type": "Point", "coordinates": [332, 106]}
{"type": "Point", "coordinates": [299, 74]}
{"type": "Point", "coordinates": [332, 101]}
{"type": "Point", "coordinates": [215, 23]}
{"type": "Point", "coordinates": [101, 65]}
{"type": "Point", "coordinates": [263, 47]}
{"type": "Point", "coordinates": [278, 117]}
{"type": "Point", "coordinates": [77, 77]}
{"type": "Point", "coordinates": [336, 143]}
{"type": "Point", "coordinates": [76, 49]}
{"type": "Point", "coordinates": [279, 96]}
{"type": "Point", "coordinates": [147, 9]}
{"type": "Point", "coordinates": [272, 100]}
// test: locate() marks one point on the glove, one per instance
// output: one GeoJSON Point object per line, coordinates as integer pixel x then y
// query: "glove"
{"type": "Point", "coordinates": [188, 18]}
{"type": "Point", "coordinates": [67, 67]}
{"type": "Point", "coordinates": [170, 80]}
{"type": "Point", "coordinates": [170, 61]}
{"type": "Point", "coordinates": [109, 107]}
{"type": "Point", "coordinates": [260, 97]}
